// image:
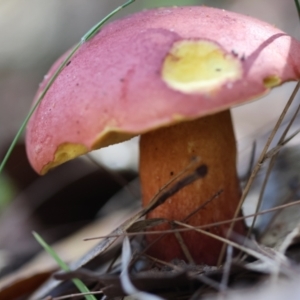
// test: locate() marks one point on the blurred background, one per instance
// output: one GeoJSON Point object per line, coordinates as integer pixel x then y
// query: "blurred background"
{"type": "Point", "coordinates": [33, 33]}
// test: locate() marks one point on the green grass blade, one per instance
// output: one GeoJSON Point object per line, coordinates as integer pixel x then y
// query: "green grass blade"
{"type": "Point", "coordinates": [79, 284]}
{"type": "Point", "coordinates": [97, 27]}
{"type": "Point", "coordinates": [42, 95]}
{"type": "Point", "coordinates": [85, 38]}
{"type": "Point", "coordinates": [298, 7]}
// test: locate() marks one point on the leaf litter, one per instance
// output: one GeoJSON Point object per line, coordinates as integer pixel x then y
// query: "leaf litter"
{"type": "Point", "coordinates": [149, 277]}
{"type": "Point", "coordinates": [143, 277]}
{"type": "Point", "coordinates": [140, 276]}
{"type": "Point", "coordinates": [176, 280]}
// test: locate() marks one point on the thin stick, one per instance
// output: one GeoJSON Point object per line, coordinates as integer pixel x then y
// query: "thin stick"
{"type": "Point", "coordinates": [277, 148]}
{"type": "Point", "coordinates": [184, 247]}
{"type": "Point", "coordinates": [198, 227]}
{"type": "Point", "coordinates": [249, 251]}
{"type": "Point", "coordinates": [202, 278]}
{"type": "Point", "coordinates": [75, 295]}
{"type": "Point", "coordinates": [245, 177]}
{"type": "Point", "coordinates": [199, 172]}
{"type": "Point", "coordinates": [195, 171]}
{"type": "Point", "coordinates": [273, 153]}
{"type": "Point", "coordinates": [202, 206]}
{"type": "Point", "coordinates": [169, 190]}
{"type": "Point", "coordinates": [226, 272]}
{"type": "Point", "coordinates": [164, 263]}
{"type": "Point", "coordinates": [179, 238]}
{"type": "Point", "coordinates": [164, 232]}
{"type": "Point", "coordinates": [259, 164]}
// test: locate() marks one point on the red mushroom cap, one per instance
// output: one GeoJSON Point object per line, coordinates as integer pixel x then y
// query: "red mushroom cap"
{"type": "Point", "coordinates": [153, 69]}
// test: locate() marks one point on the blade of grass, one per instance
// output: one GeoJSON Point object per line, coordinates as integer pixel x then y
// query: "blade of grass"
{"type": "Point", "coordinates": [79, 284]}
{"type": "Point", "coordinates": [297, 7]}
{"type": "Point", "coordinates": [94, 30]}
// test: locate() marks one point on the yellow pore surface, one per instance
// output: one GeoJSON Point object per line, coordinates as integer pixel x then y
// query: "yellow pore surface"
{"type": "Point", "coordinates": [68, 151]}
{"type": "Point", "coordinates": [65, 152]}
{"type": "Point", "coordinates": [193, 66]}
{"type": "Point", "coordinates": [272, 81]}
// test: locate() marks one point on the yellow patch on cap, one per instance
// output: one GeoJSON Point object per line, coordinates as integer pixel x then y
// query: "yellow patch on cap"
{"type": "Point", "coordinates": [193, 66]}
{"type": "Point", "coordinates": [65, 152]}
{"type": "Point", "coordinates": [110, 136]}
{"type": "Point", "coordinates": [272, 81]}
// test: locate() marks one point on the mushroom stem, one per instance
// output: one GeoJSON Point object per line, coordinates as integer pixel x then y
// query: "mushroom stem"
{"type": "Point", "coordinates": [166, 152]}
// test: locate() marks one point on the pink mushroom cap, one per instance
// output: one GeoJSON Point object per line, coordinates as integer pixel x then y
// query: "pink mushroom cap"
{"type": "Point", "coordinates": [145, 71]}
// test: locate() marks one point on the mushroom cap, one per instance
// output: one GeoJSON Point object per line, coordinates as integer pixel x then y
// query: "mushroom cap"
{"type": "Point", "coordinates": [156, 68]}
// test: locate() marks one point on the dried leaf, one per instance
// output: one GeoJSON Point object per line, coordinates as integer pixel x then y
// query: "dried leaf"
{"type": "Point", "coordinates": [23, 282]}
{"type": "Point", "coordinates": [193, 172]}
{"type": "Point", "coordinates": [285, 223]}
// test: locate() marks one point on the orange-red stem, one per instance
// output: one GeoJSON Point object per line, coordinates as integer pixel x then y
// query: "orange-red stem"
{"type": "Point", "coordinates": [166, 152]}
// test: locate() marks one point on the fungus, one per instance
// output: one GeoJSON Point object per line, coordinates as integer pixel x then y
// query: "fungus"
{"type": "Point", "coordinates": [171, 75]}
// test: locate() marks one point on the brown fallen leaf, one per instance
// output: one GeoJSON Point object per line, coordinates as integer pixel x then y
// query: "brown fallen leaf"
{"type": "Point", "coordinates": [23, 282]}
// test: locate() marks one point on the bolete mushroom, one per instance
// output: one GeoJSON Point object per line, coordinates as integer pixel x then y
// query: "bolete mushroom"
{"type": "Point", "coordinates": [171, 75]}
